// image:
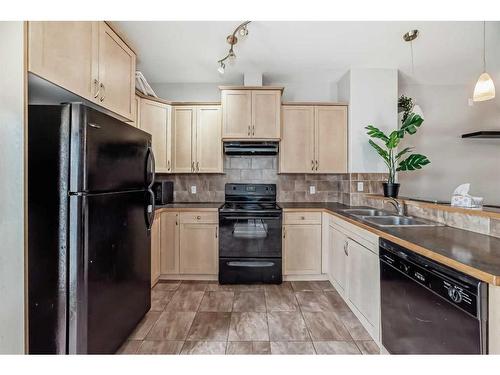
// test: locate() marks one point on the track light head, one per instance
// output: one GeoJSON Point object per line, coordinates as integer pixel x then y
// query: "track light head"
{"type": "Point", "coordinates": [222, 67]}
{"type": "Point", "coordinates": [243, 31]}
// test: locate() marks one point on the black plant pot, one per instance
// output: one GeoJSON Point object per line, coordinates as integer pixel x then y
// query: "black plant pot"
{"type": "Point", "coordinates": [391, 189]}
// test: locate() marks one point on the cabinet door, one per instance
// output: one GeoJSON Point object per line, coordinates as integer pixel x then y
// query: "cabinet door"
{"type": "Point", "coordinates": [363, 284]}
{"type": "Point", "coordinates": [208, 139]}
{"type": "Point", "coordinates": [199, 249]}
{"type": "Point", "coordinates": [65, 53]}
{"type": "Point", "coordinates": [266, 113]}
{"type": "Point", "coordinates": [338, 244]}
{"type": "Point", "coordinates": [153, 120]}
{"type": "Point", "coordinates": [302, 249]}
{"type": "Point", "coordinates": [155, 250]}
{"type": "Point", "coordinates": [297, 140]}
{"type": "Point", "coordinates": [169, 243]}
{"type": "Point", "coordinates": [116, 73]}
{"type": "Point", "coordinates": [183, 134]}
{"type": "Point", "coordinates": [236, 114]}
{"type": "Point", "coordinates": [331, 139]}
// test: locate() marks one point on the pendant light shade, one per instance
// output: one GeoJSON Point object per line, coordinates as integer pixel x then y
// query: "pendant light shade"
{"type": "Point", "coordinates": [484, 89]}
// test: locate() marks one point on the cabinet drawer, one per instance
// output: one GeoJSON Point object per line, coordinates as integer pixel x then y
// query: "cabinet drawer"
{"type": "Point", "coordinates": [302, 217]}
{"type": "Point", "coordinates": [199, 217]}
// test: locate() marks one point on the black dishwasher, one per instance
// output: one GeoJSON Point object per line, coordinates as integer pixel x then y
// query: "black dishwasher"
{"type": "Point", "coordinates": [428, 308]}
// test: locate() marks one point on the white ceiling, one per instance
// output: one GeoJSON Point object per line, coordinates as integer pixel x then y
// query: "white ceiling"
{"type": "Point", "coordinates": [187, 51]}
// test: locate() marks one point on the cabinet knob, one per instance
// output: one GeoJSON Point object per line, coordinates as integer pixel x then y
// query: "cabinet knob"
{"type": "Point", "coordinates": [198, 217]}
{"type": "Point", "coordinates": [303, 217]}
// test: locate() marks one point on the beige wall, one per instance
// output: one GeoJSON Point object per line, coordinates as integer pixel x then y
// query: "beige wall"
{"type": "Point", "coordinates": [454, 160]}
{"type": "Point", "coordinates": [11, 188]}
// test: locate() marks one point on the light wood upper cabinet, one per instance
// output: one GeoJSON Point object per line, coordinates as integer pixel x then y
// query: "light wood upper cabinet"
{"type": "Point", "coordinates": [153, 119]}
{"type": "Point", "coordinates": [116, 72]}
{"type": "Point", "coordinates": [183, 131]}
{"type": "Point", "coordinates": [169, 243]}
{"type": "Point", "coordinates": [208, 139]}
{"type": "Point", "coordinates": [251, 114]}
{"type": "Point", "coordinates": [297, 139]}
{"type": "Point", "coordinates": [266, 107]}
{"type": "Point", "coordinates": [199, 245]}
{"type": "Point", "coordinates": [86, 58]}
{"type": "Point", "coordinates": [236, 114]}
{"type": "Point", "coordinates": [65, 53]}
{"type": "Point", "coordinates": [197, 144]}
{"type": "Point", "coordinates": [302, 249]}
{"type": "Point", "coordinates": [314, 139]}
{"type": "Point", "coordinates": [331, 139]}
{"type": "Point", "coordinates": [155, 250]}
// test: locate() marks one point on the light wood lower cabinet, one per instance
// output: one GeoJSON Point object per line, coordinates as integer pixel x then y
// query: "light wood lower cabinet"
{"type": "Point", "coordinates": [302, 249]}
{"type": "Point", "coordinates": [354, 270]}
{"type": "Point", "coordinates": [155, 249]}
{"type": "Point", "coordinates": [313, 139]}
{"type": "Point", "coordinates": [199, 245]}
{"type": "Point", "coordinates": [338, 254]}
{"type": "Point", "coordinates": [169, 243]}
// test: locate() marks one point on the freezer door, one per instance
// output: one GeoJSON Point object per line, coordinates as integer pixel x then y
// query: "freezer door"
{"type": "Point", "coordinates": [110, 155]}
{"type": "Point", "coordinates": [112, 267]}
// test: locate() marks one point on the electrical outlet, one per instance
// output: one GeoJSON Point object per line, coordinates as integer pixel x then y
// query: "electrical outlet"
{"type": "Point", "coordinates": [471, 102]}
{"type": "Point", "coordinates": [312, 189]}
{"type": "Point", "coordinates": [360, 186]}
{"type": "Point", "coordinates": [193, 189]}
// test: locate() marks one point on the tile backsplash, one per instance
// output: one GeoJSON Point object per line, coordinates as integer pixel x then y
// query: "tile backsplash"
{"type": "Point", "coordinates": [264, 169]}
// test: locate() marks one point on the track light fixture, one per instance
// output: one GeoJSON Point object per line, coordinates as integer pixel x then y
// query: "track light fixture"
{"type": "Point", "coordinates": [232, 39]}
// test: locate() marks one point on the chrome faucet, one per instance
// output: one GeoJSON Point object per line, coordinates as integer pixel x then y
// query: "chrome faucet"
{"type": "Point", "coordinates": [399, 206]}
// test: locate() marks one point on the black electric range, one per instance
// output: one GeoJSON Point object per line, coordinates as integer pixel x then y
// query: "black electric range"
{"type": "Point", "coordinates": [250, 230]}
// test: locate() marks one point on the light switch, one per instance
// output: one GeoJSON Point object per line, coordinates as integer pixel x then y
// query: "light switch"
{"type": "Point", "coordinates": [193, 189]}
{"type": "Point", "coordinates": [360, 186]}
{"type": "Point", "coordinates": [312, 189]}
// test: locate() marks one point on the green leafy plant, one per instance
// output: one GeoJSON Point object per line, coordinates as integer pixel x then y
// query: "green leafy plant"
{"type": "Point", "coordinates": [394, 160]}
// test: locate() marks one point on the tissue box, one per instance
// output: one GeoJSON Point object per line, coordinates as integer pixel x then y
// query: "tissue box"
{"type": "Point", "coordinates": [466, 201]}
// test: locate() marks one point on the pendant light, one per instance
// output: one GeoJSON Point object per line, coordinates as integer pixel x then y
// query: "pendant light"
{"type": "Point", "coordinates": [485, 88]}
{"type": "Point", "coordinates": [410, 36]}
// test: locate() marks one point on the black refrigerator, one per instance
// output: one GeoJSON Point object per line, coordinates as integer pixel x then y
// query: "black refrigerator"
{"type": "Point", "coordinates": [90, 212]}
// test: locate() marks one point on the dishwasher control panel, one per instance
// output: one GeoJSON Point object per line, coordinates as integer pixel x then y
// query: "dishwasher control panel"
{"type": "Point", "coordinates": [434, 277]}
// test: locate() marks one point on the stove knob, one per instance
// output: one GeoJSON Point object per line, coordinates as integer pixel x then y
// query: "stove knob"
{"type": "Point", "coordinates": [406, 268]}
{"type": "Point", "coordinates": [454, 294]}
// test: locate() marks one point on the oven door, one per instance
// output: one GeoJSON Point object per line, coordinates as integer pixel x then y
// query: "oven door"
{"type": "Point", "coordinates": [250, 236]}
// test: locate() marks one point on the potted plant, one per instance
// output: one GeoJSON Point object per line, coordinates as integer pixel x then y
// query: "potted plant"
{"type": "Point", "coordinates": [394, 160]}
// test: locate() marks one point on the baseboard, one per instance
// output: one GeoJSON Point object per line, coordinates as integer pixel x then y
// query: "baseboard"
{"type": "Point", "coordinates": [189, 277]}
{"type": "Point", "coordinates": [305, 277]}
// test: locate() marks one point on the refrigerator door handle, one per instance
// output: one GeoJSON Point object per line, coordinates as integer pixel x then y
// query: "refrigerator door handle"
{"type": "Point", "coordinates": [150, 159]}
{"type": "Point", "coordinates": [150, 210]}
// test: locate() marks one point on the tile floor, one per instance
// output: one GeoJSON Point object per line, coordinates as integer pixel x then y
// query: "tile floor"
{"type": "Point", "coordinates": [298, 317]}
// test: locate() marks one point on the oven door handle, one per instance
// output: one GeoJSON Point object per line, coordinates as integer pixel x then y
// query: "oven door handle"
{"type": "Point", "coordinates": [250, 217]}
{"type": "Point", "coordinates": [254, 264]}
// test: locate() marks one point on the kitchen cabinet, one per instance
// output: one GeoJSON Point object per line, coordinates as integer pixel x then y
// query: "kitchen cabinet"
{"type": "Point", "coordinates": [199, 243]}
{"type": "Point", "coordinates": [169, 243]}
{"type": "Point", "coordinates": [66, 53]}
{"type": "Point", "coordinates": [363, 280]}
{"type": "Point", "coordinates": [355, 272]}
{"type": "Point", "coordinates": [251, 114]}
{"type": "Point", "coordinates": [302, 243]}
{"type": "Point", "coordinates": [338, 253]}
{"type": "Point", "coordinates": [86, 58]}
{"type": "Point", "coordinates": [314, 139]}
{"type": "Point", "coordinates": [196, 134]}
{"type": "Point", "coordinates": [155, 249]}
{"type": "Point", "coordinates": [297, 139]}
{"type": "Point", "coordinates": [154, 119]}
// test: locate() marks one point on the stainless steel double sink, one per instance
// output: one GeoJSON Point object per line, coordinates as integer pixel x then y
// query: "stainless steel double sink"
{"type": "Point", "coordinates": [383, 218]}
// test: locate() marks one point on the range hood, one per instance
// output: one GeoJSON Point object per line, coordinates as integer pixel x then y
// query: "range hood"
{"type": "Point", "coordinates": [251, 148]}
